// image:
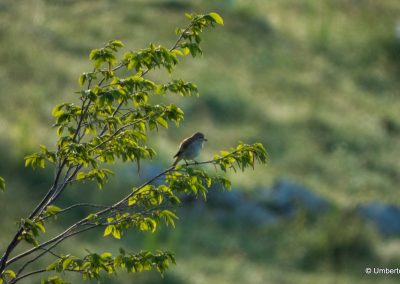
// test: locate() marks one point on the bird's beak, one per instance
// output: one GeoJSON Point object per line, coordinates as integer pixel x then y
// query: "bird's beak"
{"type": "Point", "coordinates": [205, 139]}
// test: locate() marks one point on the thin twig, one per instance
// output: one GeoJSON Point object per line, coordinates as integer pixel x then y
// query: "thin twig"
{"type": "Point", "coordinates": [15, 280]}
{"type": "Point", "coordinates": [72, 207]}
{"type": "Point", "coordinates": [26, 264]}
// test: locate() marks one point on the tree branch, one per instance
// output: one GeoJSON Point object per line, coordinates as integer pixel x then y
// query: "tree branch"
{"type": "Point", "coordinates": [38, 272]}
{"type": "Point", "coordinates": [66, 209]}
{"type": "Point", "coordinates": [27, 275]}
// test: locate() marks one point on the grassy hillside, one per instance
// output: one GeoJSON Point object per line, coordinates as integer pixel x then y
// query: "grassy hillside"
{"type": "Point", "coordinates": [316, 81]}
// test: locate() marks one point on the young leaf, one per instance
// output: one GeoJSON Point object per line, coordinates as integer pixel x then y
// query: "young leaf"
{"type": "Point", "coordinates": [2, 184]}
{"type": "Point", "coordinates": [162, 122]}
{"type": "Point", "coordinates": [217, 18]}
{"type": "Point", "coordinates": [10, 273]}
{"type": "Point", "coordinates": [41, 227]}
{"type": "Point", "coordinates": [132, 200]}
{"type": "Point", "coordinates": [109, 229]}
{"type": "Point", "coordinates": [116, 233]}
{"type": "Point", "coordinates": [82, 79]}
{"type": "Point", "coordinates": [66, 263]}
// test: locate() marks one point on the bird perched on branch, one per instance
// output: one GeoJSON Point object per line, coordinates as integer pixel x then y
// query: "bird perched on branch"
{"type": "Point", "coordinates": [190, 148]}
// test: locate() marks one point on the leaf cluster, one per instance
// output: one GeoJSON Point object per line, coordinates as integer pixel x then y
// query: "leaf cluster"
{"type": "Point", "coordinates": [31, 230]}
{"type": "Point", "coordinates": [93, 264]}
{"type": "Point", "coordinates": [241, 157]}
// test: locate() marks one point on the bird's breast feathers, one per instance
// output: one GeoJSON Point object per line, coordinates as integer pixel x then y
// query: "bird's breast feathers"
{"type": "Point", "coordinates": [193, 149]}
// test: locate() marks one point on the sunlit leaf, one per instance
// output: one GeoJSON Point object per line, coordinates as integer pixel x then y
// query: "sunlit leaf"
{"type": "Point", "coordinates": [10, 273]}
{"type": "Point", "coordinates": [218, 19]}
{"type": "Point", "coordinates": [2, 184]}
{"type": "Point", "coordinates": [108, 230]}
{"type": "Point", "coordinates": [116, 233]}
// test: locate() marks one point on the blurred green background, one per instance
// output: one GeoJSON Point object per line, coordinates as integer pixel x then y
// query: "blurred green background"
{"type": "Point", "coordinates": [317, 82]}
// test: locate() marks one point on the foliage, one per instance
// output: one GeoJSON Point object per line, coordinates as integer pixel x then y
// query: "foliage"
{"type": "Point", "coordinates": [111, 122]}
{"type": "Point", "coordinates": [2, 184]}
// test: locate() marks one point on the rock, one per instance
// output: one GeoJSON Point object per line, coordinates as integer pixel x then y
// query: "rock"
{"type": "Point", "coordinates": [397, 31]}
{"type": "Point", "coordinates": [224, 199]}
{"type": "Point", "coordinates": [254, 214]}
{"type": "Point", "coordinates": [386, 217]}
{"type": "Point", "coordinates": [286, 198]}
{"type": "Point", "coordinates": [235, 205]}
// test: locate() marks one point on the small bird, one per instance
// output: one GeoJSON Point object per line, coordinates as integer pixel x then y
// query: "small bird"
{"type": "Point", "coordinates": [190, 148]}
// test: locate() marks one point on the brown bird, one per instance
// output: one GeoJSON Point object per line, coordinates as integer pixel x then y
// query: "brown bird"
{"type": "Point", "coordinates": [190, 148]}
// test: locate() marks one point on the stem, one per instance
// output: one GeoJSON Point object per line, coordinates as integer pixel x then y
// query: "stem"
{"type": "Point", "coordinates": [72, 207]}
{"type": "Point", "coordinates": [56, 240]}
{"type": "Point", "coordinates": [33, 260]}
{"type": "Point", "coordinates": [64, 184]}
{"type": "Point", "coordinates": [27, 275]}
{"type": "Point", "coordinates": [38, 272]}
{"type": "Point", "coordinates": [15, 240]}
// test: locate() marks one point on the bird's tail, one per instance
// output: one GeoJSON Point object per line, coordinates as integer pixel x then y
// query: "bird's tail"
{"type": "Point", "coordinates": [176, 161]}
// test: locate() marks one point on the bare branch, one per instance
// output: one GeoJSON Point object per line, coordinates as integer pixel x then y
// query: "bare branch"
{"type": "Point", "coordinates": [27, 275]}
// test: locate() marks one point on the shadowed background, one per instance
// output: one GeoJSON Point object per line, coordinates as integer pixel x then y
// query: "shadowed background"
{"type": "Point", "coordinates": [317, 82]}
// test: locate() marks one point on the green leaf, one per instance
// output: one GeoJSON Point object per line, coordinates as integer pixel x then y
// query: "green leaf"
{"type": "Point", "coordinates": [54, 280]}
{"type": "Point", "coordinates": [116, 233]}
{"type": "Point", "coordinates": [41, 227]}
{"type": "Point", "coordinates": [10, 273]}
{"type": "Point", "coordinates": [41, 163]}
{"type": "Point", "coordinates": [143, 226]}
{"type": "Point", "coordinates": [66, 263]}
{"type": "Point", "coordinates": [132, 200]}
{"type": "Point", "coordinates": [169, 217]}
{"type": "Point", "coordinates": [162, 122]}
{"type": "Point", "coordinates": [81, 175]}
{"type": "Point", "coordinates": [53, 265]}
{"type": "Point", "coordinates": [185, 50]}
{"type": "Point", "coordinates": [52, 209]}
{"type": "Point", "coordinates": [225, 153]}
{"type": "Point", "coordinates": [2, 184]}
{"type": "Point", "coordinates": [29, 237]}
{"type": "Point", "coordinates": [94, 53]}
{"type": "Point", "coordinates": [116, 43]}
{"type": "Point", "coordinates": [106, 254]}
{"type": "Point", "coordinates": [57, 110]}
{"type": "Point", "coordinates": [217, 18]}
{"type": "Point", "coordinates": [82, 79]}
{"type": "Point", "coordinates": [189, 16]}
{"type": "Point", "coordinates": [177, 52]}
{"type": "Point", "coordinates": [91, 216]}
{"type": "Point", "coordinates": [109, 229]}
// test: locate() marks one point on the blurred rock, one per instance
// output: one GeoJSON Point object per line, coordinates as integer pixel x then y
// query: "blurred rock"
{"type": "Point", "coordinates": [385, 217]}
{"type": "Point", "coordinates": [253, 213]}
{"type": "Point", "coordinates": [235, 205]}
{"type": "Point", "coordinates": [224, 199]}
{"type": "Point", "coordinates": [397, 31]}
{"type": "Point", "coordinates": [286, 198]}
